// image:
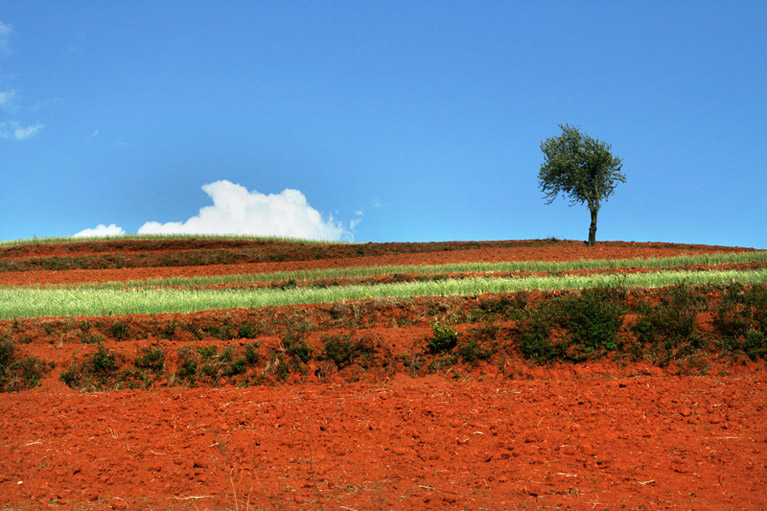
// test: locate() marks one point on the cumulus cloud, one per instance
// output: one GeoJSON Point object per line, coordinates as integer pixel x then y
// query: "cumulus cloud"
{"type": "Point", "coordinates": [236, 210]}
{"type": "Point", "coordinates": [14, 130]}
{"type": "Point", "coordinates": [100, 230]}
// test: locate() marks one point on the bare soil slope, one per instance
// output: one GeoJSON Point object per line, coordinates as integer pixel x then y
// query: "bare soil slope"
{"type": "Point", "coordinates": [398, 429]}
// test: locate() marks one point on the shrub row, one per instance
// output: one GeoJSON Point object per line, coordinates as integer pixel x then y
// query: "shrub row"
{"type": "Point", "coordinates": [210, 366]}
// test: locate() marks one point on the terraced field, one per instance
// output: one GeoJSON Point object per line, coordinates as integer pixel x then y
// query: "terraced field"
{"type": "Point", "coordinates": [215, 373]}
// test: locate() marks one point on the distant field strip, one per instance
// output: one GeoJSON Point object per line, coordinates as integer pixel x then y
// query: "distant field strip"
{"type": "Point", "coordinates": [163, 237]}
{"type": "Point", "coordinates": [497, 267]}
{"type": "Point", "coordinates": [18, 302]}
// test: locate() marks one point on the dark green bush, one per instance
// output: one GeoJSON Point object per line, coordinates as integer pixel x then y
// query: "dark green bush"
{"type": "Point", "coordinates": [669, 328]}
{"type": "Point", "coordinates": [98, 371]}
{"type": "Point", "coordinates": [91, 339]}
{"type": "Point", "coordinates": [235, 367]}
{"type": "Point", "coordinates": [755, 345]}
{"type": "Point", "coordinates": [484, 332]}
{"type": "Point", "coordinates": [152, 359]}
{"type": "Point", "coordinates": [119, 330]}
{"type": "Point", "coordinates": [103, 362]}
{"type": "Point", "coordinates": [246, 331]}
{"type": "Point", "coordinates": [187, 364]}
{"type": "Point", "coordinates": [18, 373]}
{"type": "Point", "coordinates": [741, 320]}
{"type": "Point", "coordinates": [207, 351]}
{"type": "Point", "coordinates": [226, 356]}
{"type": "Point", "coordinates": [169, 330]}
{"type": "Point", "coordinates": [472, 352]}
{"type": "Point", "coordinates": [503, 306]}
{"type": "Point", "coordinates": [251, 353]}
{"type": "Point", "coordinates": [344, 351]}
{"type": "Point", "coordinates": [592, 321]}
{"type": "Point", "coordinates": [295, 347]}
{"type": "Point", "coordinates": [7, 352]}
{"type": "Point", "coordinates": [213, 331]}
{"type": "Point", "coordinates": [586, 325]}
{"type": "Point", "coordinates": [536, 342]}
{"type": "Point", "coordinates": [444, 338]}
{"type": "Point", "coordinates": [28, 372]}
{"type": "Point", "coordinates": [206, 364]}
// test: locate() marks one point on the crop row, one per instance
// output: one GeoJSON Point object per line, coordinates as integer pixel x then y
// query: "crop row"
{"type": "Point", "coordinates": [140, 253]}
{"type": "Point", "coordinates": [16, 302]}
{"type": "Point", "coordinates": [356, 272]}
{"type": "Point", "coordinates": [117, 240]}
{"type": "Point", "coordinates": [173, 258]}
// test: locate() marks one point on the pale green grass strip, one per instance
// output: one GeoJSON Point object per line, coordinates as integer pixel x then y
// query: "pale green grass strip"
{"type": "Point", "coordinates": [34, 302]}
{"type": "Point", "coordinates": [497, 267]}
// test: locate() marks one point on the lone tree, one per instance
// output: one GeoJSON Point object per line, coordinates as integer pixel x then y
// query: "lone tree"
{"type": "Point", "coordinates": [580, 167]}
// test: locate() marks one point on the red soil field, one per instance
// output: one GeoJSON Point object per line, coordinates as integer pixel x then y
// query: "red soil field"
{"type": "Point", "coordinates": [443, 254]}
{"type": "Point", "coordinates": [574, 442]}
{"type": "Point", "coordinates": [598, 435]}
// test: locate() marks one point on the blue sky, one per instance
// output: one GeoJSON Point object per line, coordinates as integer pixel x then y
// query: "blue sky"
{"type": "Point", "coordinates": [409, 121]}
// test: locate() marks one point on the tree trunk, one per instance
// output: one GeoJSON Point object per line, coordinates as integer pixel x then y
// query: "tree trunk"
{"type": "Point", "coordinates": [593, 228]}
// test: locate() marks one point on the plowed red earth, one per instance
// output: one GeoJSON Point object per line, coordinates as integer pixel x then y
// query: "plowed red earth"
{"type": "Point", "coordinates": [593, 436]}
{"type": "Point", "coordinates": [428, 443]}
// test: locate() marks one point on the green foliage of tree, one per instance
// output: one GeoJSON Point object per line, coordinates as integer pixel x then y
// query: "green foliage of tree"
{"type": "Point", "coordinates": [579, 167]}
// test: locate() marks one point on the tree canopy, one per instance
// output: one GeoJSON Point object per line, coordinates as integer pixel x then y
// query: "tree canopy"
{"type": "Point", "coordinates": [579, 167]}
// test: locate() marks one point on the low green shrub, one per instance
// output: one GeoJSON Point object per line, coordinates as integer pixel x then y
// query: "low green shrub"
{"type": "Point", "coordinates": [668, 329]}
{"type": "Point", "coordinates": [344, 351]}
{"type": "Point", "coordinates": [251, 353]}
{"type": "Point", "coordinates": [246, 331]}
{"type": "Point", "coordinates": [536, 342]}
{"type": "Point", "coordinates": [472, 352]}
{"type": "Point", "coordinates": [755, 345]}
{"type": "Point", "coordinates": [503, 306]}
{"type": "Point", "coordinates": [92, 339]}
{"type": "Point", "coordinates": [574, 327]}
{"type": "Point", "coordinates": [295, 347]}
{"type": "Point", "coordinates": [17, 373]}
{"type": "Point", "coordinates": [97, 372]}
{"type": "Point", "coordinates": [207, 351]}
{"type": "Point", "coordinates": [592, 321]}
{"type": "Point", "coordinates": [444, 338]}
{"type": "Point", "coordinates": [207, 365]}
{"type": "Point", "coordinates": [119, 330]}
{"type": "Point", "coordinates": [187, 365]}
{"type": "Point", "coordinates": [168, 331]}
{"type": "Point", "coordinates": [152, 359]}
{"type": "Point", "coordinates": [741, 320]}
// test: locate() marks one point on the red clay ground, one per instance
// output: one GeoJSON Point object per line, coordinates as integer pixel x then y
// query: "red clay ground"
{"type": "Point", "coordinates": [590, 436]}
{"type": "Point", "coordinates": [429, 443]}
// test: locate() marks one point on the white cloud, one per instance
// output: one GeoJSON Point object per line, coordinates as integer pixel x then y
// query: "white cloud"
{"type": "Point", "coordinates": [5, 34]}
{"type": "Point", "coordinates": [8, 99]}
{"type": "Point", "coordinates": [236, 210]}
{"type": "Point", "coordinates": [14, 130]}
{"type": "Point", "coordinates": [356, 221]}
{"type": "Point", "coordinates": [100, 230]}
